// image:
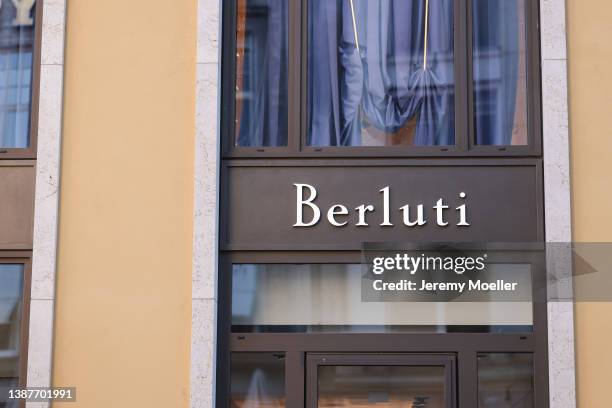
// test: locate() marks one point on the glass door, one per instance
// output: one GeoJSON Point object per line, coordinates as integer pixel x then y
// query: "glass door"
{"type": "Point", "coordinates": [380, 380]}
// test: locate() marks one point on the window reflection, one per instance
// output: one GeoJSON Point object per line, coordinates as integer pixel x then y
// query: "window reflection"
{"type": "Point", "coordinates": [16, 56]}
{"type": "Point", "coordinates": [11, 289]}
{"type": "Point", "coordinates": [381, 386]}
{"type": "Point", "coordinates": [257, 380]}
{"type": "Point", "coordinates": [500, 76]}
{"type": "Point", "coordinates": [505, 380]}
{"type": "Point", "coordinates": [328, 298]}
{"type": "Point", "coordinates": [380, 73]}
{"type": "Point", "coordinates": [261, 73]}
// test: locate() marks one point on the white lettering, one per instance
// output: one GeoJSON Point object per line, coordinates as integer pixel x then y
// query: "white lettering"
{"type": "Point", "coordinates": [420, 218]}
{"type": "Point", "coordinates": [462, 213]}
{"type": "Point", "coordinates": [308, 202]}
{"type": "Point", "coordinates": [440, 207]}
{"type": "Point", "coordinates": [362, 210]}
{"type": "Point", "coordinates": [334, 210]}
{"type": "Point", "coordinates": [386, 217]}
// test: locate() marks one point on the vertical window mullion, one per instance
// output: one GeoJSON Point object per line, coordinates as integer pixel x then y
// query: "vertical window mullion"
{"type": "Point", "coordinates": [534, 107]}
{"type": "Point", "coordinates": [25, 321]}
{"type": "Point", "coordinates": [462, 58]}
{"type": "Point", "coordinates": [294, 378]}
{"type": "Point", "coordinates": [468, 52]}
{"type": "Point", "coordinates": [228, 77]}
{"type": "Point", "coordinates": [303, 72]}
{"type": "Point", "coordinates": [294, 77]}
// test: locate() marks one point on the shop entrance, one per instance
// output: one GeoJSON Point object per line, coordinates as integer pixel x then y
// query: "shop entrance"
{"type": "Point", "coordinates": [383, 380]}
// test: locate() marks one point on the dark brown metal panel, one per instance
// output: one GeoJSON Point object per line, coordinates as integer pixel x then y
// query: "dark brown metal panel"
{"type": "Point", "coordinates": [25, 321]}
{"type": "Point", "coordinates": [462, 127]}
{"type": "Point", "coordinates": [228, 76]}
{"type": "Point", "coordinates": [540, 320]}
{"type": "Point", "coordinates": [294, 75]}
{"type": "Point", "coordinates": [534, 77]}
{"type": "Point", "coordinates": [302, 135]}
{"type": "Point", "coordinates": [295, 380]}
{"type": "Point", "coordinates": [223, 375]}
{"type": "Point", "coordinates": [17, 179]}
{"type": "Point", "coordinates": [467, 379]}
{"type": "Point", "coordinates": [503, 203]}
{"type": "Point", "coordinates": [311, 383]}
{"type": "Point", "coordinates": [381, 343]}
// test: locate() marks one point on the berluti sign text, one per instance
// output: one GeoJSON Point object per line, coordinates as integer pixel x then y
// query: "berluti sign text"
{"type": "Point", "coordinates": [279, 204]}
{"type": "Point", "coordinates": [337, 214]}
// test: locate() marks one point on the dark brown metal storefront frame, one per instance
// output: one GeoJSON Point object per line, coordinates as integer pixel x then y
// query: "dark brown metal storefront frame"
{"type": "Point", "coordinates": [30, 151]}
{"type": "Point", "coordinates": [297, 346]}
{"type": "Point", "coordinates": [465, 145]}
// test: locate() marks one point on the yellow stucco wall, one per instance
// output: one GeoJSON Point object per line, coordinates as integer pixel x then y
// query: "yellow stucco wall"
{"type": "Point", "coordinates": [590, 94]}
{"type": "Point", "coordinates": [124, 269]}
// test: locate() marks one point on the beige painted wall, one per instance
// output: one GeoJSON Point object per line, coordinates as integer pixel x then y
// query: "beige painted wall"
{"type": "Point", "coordinates": [590, 81]}
{"type": "Point", "coordinates": [123, 312]}
{"type": "Point", "coordinates": [124, 268]}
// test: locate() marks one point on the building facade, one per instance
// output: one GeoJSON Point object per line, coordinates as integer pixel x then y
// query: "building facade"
{"type": "Point", "coordinates": [189, 189]}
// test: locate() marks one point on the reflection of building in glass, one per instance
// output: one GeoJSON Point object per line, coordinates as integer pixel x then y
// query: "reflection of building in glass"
{"type": "Point", "coordinates": [11, 289]}
{"type": "Point", "coordinates": [16, 54]}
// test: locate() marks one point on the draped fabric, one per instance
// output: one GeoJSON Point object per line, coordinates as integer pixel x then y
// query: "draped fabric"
{"type": "Point", "coordinates": [369, 74]}
{"type": "Point", "coordinates": [496, 69]}
{"type": "Point", "coordinates": [380, 78]}
{"type": "Point", "coordinates": [263, 97]}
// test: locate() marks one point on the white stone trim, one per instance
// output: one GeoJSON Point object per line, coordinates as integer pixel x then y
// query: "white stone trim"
{"type": "Point", "coordinates": [556, 186]}
{"type": "Point", "coordinates": [557, 195]}
{"type": "Point", "coordinates": [42, 303]}
{"type": "Point", "coordinates": [205, 217]}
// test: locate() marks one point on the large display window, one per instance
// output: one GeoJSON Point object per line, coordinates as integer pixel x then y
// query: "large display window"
{"type": "Point", "coordinates": [385, 77]}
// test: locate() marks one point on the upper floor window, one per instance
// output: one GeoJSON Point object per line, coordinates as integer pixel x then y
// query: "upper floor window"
{"type": "Point", "coordinates": [317, 74]}
{"type": "Point", "coordinates": [12, 323]}
{"type": "Point", "coordinates": [17, 38]}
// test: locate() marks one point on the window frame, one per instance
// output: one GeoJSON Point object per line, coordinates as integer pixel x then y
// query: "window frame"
{"type": "Point", "coordinates": [465, 145]}
{"type": "Point", "coordinates": [22, 258]}
{"type": "Point", "coordinates": [447, 361]}
{"type": "Point", "coordinates": [298, 346]}
{"type": "Point", "coordinates": [31, 151]}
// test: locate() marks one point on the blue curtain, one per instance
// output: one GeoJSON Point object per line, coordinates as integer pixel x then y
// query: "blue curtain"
{"type": "Point", "coordinates": [372, 74]}
{"type": "Point", "coordinates": [379, 78]}
{"type": "Point", "coordinates": [263, 121]}
{"type": "Point", "coordinates": [496, 69]}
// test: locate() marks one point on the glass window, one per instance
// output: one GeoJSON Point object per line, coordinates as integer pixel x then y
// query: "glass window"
{"type": "Point", "coordinates": [381, 386]}
{"type": "Point", "coordinates": [16, 56]}
{"type": "Point", "coordinates": [261, 73]}
{"type": "Point", "coordinates": [257, 380]}
{"type": "Point", "coordinates": [505, 380]}
{"type": "Point", "coordinates": [500, 72]}
{"type": "Point", "coordinates": [380, 73]}
{"type": "Point", "coordinates": [11, 304]}
{"type": "Point", "coordinates": [327, 297]}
